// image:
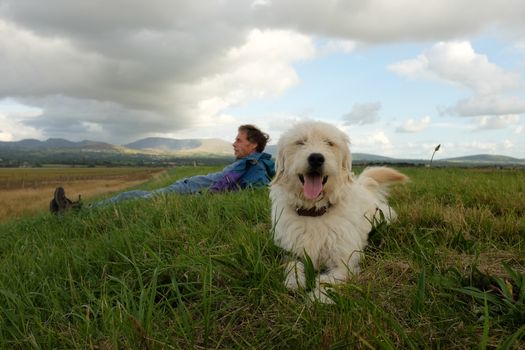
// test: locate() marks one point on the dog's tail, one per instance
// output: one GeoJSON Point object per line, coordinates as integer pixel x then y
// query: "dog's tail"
{"type": "Point", "coordinates": [380, 178]}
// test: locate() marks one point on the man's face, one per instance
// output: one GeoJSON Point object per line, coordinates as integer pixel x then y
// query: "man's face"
{"type": "Point", "coordinates": [242, 147]}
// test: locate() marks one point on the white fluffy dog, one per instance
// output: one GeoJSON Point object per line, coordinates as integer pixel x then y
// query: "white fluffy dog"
{"type": "Point", "coordinates": [319, 209]}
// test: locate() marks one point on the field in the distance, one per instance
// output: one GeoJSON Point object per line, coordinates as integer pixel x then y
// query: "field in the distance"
{"type": "Point", "coordinates": [27, 191]}
{"type": "Point", "coordinates": [195, 272]}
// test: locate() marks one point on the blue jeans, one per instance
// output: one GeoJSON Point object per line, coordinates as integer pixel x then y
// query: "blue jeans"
{"type": "Point", "coordinates": [189, 185]}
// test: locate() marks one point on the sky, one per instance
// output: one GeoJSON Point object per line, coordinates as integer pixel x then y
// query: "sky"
{"type": "Point", "coordinates": [399, 77]}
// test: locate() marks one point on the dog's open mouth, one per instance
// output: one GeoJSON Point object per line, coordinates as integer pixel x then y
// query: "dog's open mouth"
{"type": "Point", "coordinates": [312, 184]}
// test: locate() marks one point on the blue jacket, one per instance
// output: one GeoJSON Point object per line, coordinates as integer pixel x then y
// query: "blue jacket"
{"type": "Point", "coordinates": [257, 169]}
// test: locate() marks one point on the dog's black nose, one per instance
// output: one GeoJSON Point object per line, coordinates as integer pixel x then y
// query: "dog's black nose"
{"type": "Point", "coordinates": [316, 160]}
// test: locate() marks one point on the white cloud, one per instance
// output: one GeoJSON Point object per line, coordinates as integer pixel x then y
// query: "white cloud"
{"type": "Point", "coordinates": [414, 69]}
{"type": "Point", "coordinates": [261, 67]}
{"type": "Point", "coordinates": [222, 126]}
{"type": "Point", "coordinates": [457, 63]}
{"type": "Point", "coordinates": [376, 142]}
{"type": "Point", "coordinates": [339, 45]}
{"type": "Point", "coordinates": [412, 126]}
{"type": "Point", "coordinates": [257, 3]}
{"type": "Point", "coordinates": [487, 105]}
{"type": "Point", "coordinates": [507, 144]}
{"type": "Point", "coordinates": [380, 138]}
{"type": "Point", "coordinates": [282, 122]}
{"type": "Point", "coordinates": [361, 114]}
{"type": "Point", "coordinates": [497, 122]}
{"type": "Point", "coordinates": [12, 129]}
{"type": "Point", "coordinates": [477, 147]}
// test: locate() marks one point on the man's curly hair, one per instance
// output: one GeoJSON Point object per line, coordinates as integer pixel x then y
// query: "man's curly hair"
{"type": "Point", "coordinates": [255, 135]}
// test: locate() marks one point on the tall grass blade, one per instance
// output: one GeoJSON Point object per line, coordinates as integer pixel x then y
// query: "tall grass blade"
{"type": "Point", "coordinates": [419, 300]}
{"type": "Point", "coordinates": [486, 325]}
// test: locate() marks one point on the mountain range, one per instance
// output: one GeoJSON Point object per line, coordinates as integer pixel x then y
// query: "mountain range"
{"type": "Point", "coordinates": [54, 143]}
{"type": "Point", "coordinates": [151, 145]}
{"type": "Point", "coordinates": [167, 147]}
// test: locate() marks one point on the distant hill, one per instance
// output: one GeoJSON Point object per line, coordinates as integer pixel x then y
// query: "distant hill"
{"type": "Point", "coordinates": [55, 143]}
{"type": "Point", "coordinates": [185, 146]}
{"type": "Point", "coordinates": [163, 144]}
{"type": "Point", "coordinates": [485, 159]}
{"type": "Point", "coordinates": [366, 157]}
{"type": "Point", "coordinates": [146, 152]}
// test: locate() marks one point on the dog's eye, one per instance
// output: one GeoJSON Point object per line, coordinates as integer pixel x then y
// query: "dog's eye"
{"type": "Point", "coordinates": [299, 143]}
{"type": "Point", "coordinates": [329, 143]}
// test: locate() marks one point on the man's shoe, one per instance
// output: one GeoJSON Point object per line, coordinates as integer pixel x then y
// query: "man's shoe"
{"type": "Point", "coordinates": [60, 203]}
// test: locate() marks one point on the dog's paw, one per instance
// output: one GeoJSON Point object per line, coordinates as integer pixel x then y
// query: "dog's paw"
{"type": "Point", "coordinates": [295, 277]}
{"type": "Point", "coordinates": [325, 279]}
{"type": "Point", "coordinates": [322, 294]}
{"type": "Point", "coordinates": [338, 274]}
{"type": "Point", "coordinates": [293, 282]}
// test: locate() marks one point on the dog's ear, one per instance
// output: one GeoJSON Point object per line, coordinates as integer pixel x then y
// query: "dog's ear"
{"type": "Point", "coordinates": [347, 161]}
{"type": "Point", "coordinates": [279, 165]}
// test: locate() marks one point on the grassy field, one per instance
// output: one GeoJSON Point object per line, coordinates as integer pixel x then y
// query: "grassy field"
{"type": "Point", "coordinates": [198, 272]}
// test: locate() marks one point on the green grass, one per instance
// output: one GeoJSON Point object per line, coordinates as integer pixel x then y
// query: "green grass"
{"type": "Point", "coordinates": [192, 272]}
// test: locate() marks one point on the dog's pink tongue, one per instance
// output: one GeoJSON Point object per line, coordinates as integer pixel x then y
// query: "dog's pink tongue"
{"type": "Point", "coordinates": [313, 185]}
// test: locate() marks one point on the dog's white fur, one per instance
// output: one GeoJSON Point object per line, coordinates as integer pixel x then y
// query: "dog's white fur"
{"type": "Point", "coordinates": [335, 240]}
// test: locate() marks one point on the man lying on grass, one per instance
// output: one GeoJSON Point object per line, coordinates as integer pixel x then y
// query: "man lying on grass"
{"type": "Point", "coordinates": [252, 168]}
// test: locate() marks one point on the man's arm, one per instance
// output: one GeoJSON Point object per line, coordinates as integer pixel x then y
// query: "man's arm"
{"type": "Point", "coordinates": [245, 172]}
{"type": "Point", "coordinates": [228, 182]}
